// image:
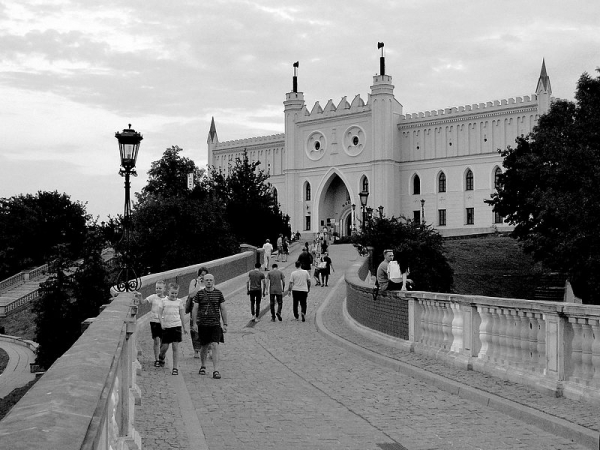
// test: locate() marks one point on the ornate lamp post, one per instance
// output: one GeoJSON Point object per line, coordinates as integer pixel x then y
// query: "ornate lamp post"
{"type": "Point", "coordinates": [380, 212]}
{"type": "Point", "coordinates": [129, 145]}
{"type": "Point", "coordinates": [422, 211]}
{"type": "Point", "coordinates": [353, 217]}
{"type": "Point", "coordinates": [369, 213]}
{"type": "Point", "coordinates": [364, 195]}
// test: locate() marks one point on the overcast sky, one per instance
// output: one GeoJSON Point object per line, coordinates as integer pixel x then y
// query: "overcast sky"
{"type": "Point", "coordinates": [74, 72]}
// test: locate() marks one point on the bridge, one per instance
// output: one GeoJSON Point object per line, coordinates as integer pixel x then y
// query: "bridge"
{"type": "Point", "coordinates": [411, 370]}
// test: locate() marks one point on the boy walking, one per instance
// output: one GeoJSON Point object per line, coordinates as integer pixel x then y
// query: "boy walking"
{"type": "Point", "coordinates": [255, 287]}
{"type": "Point", "coordinates": [171, 316]}
{"type": "Point", "coordinates": [208, 310]}
{"type": "Point", "coordinates": [276, 282]}
{"type": "Point", "coordinates": [156, 301]}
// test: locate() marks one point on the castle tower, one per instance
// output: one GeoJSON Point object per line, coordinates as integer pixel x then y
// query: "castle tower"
{"type": "Point", "coordinates": [385, 110]}
{"type": "Point", "coordinates": [212, 141]}
{"type": "Point", "coordinates": [543, 91]}
{"type": "Point", "coordinates": [293, 104]}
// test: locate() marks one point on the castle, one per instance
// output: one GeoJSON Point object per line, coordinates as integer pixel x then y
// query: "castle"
{"type": "Point", "coordinates": [434, 166]}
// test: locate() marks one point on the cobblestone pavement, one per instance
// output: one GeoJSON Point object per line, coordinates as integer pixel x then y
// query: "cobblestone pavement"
{"type": "Point", "coordinates": [285, 386]}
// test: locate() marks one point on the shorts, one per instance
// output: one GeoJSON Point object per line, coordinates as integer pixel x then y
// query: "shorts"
{"type": "Point", "coordinates": [171, 335]}
{"type": "Point", "coordinates": [210, 334]}
{"type": "Point", "coordinates": [156, 330]}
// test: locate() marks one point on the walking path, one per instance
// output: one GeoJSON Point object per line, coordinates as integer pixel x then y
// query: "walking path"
{"type": "Point", "coordinates": [17, 372]}
{"type": "Point", "coordinates": [324, 385]}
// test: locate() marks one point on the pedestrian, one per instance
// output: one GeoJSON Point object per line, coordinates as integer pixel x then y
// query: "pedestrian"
{"type": "Point", "coordinates": [155, 301]}
{"type": "Point", "coordinates": [383, 279]}
{"type": "Point", "coordinates": [315, 250]}
{"type": "Point", "coordinates": [324, 245]}
{"type": "Point", "coordinates": [255, 287]}
{"type": "Point", "coordinates": [276, 282]}
{"type": "Point", "coordinates": [195, 285]}
{"type": "Point", "coordinates": [172, 321]}
{"type": "Point", "coordinates": [279, 246]}
{"type": "Point", "coordinates": [209, 309]}
{"type": "Point", "coordinates": [286, 248]}
{"type": "Point", "coordinates": [305, 259]}
{"type": "Point", "coordinates": [326, 267]}
{"type": "Point", "coordinates": [299, 287]}
{"type": "Point", "coordinates": [268, 249]}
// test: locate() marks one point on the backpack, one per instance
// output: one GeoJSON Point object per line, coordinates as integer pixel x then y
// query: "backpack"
{"type": "Point", "coordinates": [394, 272]}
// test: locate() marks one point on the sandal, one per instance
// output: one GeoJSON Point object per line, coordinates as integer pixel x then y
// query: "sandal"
{"type": "Point", "coordinates": [157, 363]}
{"type": "Point", "coordinates": [216, 374]}
{"type": "Point", "coordinates": [175, 372]}
{"type": "Point", "coordinates": [202, 370]}
{"type": "Point", "coordinates": [161, 361]}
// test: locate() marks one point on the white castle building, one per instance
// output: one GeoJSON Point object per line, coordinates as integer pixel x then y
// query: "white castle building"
{"type": "Point", "coordinates": [433, 166]}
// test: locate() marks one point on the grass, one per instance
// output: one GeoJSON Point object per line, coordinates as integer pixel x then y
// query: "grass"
{"type": "Point", "coordinates": [493, 266]}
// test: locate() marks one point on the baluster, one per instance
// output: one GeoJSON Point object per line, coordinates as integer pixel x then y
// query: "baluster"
{"type": "Point", "coordinates": [435, 324]}
{"type": "Point", "coordinates": [457, 328]}
{"type": "Point", "coordinates": [532, 359]}
{"type": "Point", "coordinates": [512, 341]}
{"type": "Point", "coordinates": [485, 333]}
{"type": "Point", "coordinates": [586, 349]}
{"type": "Point", "coordinates": [576, 349]}
{"type": "Point", "coordinates": [502, 326]}
{"type": "Point", "coordinates": [524, 358]}
{"type": "Point", "coordinates": [425, 322]}
{"type": "Point", "coordinates": [595, 323]}
{"type": "Point", "coordinates": [541, 342]}
{"type": "Point", "coordinates": [496, 349]}
{"type": "Point", "coordinates": [447, 326]}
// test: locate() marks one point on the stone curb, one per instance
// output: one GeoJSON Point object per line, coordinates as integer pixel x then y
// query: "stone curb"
{"type": "Point", "coordinates": [546, 422]}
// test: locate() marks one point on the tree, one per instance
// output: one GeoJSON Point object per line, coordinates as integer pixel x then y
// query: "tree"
{"type": "Point", "coordinates": [251, 208]}
{"type": "Point", "coordinates": [548, 189]}
{"type": "Point", "coordinates": [416, 246]}
{"type": "Point", "coordinates": [31, 226]}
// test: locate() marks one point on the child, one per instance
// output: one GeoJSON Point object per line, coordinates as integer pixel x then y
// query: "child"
{"type": "Point", "coordinates": [171, 316]}
{"type": "Point", "coordinates": [156, 301]}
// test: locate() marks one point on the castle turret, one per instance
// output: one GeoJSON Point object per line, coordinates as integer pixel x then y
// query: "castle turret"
{"type": "Point", "coordinates": [212, 141]}
{"type": "Point", "coordinates": [543, 91]}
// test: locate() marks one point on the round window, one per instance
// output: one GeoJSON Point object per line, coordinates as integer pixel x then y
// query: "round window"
{"type": "Point", "coordinates": [317, 145]}
{"type": "Point", "coordinates": [355, 140]}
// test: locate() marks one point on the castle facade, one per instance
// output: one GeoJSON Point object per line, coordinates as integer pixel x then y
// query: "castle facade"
{"type": "Point", "coordinates": [434, 166]}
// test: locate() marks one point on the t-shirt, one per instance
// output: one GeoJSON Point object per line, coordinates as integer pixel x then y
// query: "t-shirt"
{"type": "Point", "coordinates": [170, 313]}
{"type": "Point", "coordinates": [300, 278]}
{"type": "Point", "coordinates": [156, 303]}
{"type": "Point", "coordinates": [276, 281]}
{"type": "Point", "coordinates": [382, 276]}
{"type": "Point", "coordinates": [268, 248]}
{"type": "Point", "coordinates": [279, 242]}
{"type": "Point", "coordinates": [306, 260]}
{"type": "Point", "coordinates": [255, 276]}
{"type": "Point", "coordinates": [209, 307]}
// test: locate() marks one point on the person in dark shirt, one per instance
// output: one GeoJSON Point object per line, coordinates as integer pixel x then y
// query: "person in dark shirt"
{"type": "Point", "coordinates": [305, 259]}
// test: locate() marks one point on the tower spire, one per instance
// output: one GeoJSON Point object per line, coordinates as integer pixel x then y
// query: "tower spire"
{"type": "Point", "coordinates": [543, 85]}
{"type": "Point", "coordinates": [212, 134]}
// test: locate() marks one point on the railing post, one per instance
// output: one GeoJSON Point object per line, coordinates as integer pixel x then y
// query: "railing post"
{"type": "Point", "coordinates": [555, 346]}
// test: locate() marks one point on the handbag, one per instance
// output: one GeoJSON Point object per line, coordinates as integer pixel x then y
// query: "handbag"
{"type": "Point", "coordinates": [322, 265]}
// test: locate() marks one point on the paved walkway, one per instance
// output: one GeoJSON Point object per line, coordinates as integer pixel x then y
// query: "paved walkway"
{"type": "Point", "coordinates": [17, 372]}
{"type": "Point", "coordinates": [324, 385]}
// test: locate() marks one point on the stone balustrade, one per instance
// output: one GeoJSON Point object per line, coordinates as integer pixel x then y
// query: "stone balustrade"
{"type": "Point", "coordinates": [552, 346]}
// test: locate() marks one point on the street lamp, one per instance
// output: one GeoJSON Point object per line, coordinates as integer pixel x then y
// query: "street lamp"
{"type": "Point", "coordinates": [353, 217]}
{"type": "Point", "coordinates": [370, 213]}
{"type": "Point", "coordinates": [364, 195]}
{"type": "Point", "coordinates": [129, 145]}
{"type": "Point", "coordinates": [380, 212]}
{"type": "Point", "coordinates": [422, 211]}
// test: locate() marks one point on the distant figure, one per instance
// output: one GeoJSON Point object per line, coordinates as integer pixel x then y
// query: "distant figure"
{"type": "Point", "coordinates": [276, 282]}
{"type": "Point", "coordinates": [268, 248]}
{"type": "Point", "coordinates": [299, 287]}
{"type": "Point", "coordinates": [325, 268]}
{"type": "Point", "coordinates": [172, 321]}
{"type": "Point", "coordinates": [279, 246]}
{"type": "Point", "coordinates": [286, 249]}
{"type": "Point", "coordinates": [209, 309]}
{"type": "Point", "coordinates": [255, 287]}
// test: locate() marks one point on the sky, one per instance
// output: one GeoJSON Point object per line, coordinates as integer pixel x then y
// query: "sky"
{"type": "Point", "coordinates": [72, 73]}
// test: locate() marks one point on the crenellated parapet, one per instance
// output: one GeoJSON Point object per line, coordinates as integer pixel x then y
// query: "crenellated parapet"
{"type": "Point", "coordinates": [250, 142]}
{"type": "Point", "coordinates": [492, 107]}
{"type": "Point", "coordinates": [343, 108]}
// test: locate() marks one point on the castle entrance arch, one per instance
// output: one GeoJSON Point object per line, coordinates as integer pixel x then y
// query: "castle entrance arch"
{"type": "Point", "coordinates": [335, 210]}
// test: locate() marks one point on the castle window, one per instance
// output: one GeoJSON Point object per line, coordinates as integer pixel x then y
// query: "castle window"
{"type": "Point", "coordinates": [416, 185]}
{"type": "Point", "coordinates": [469, 180]}
{"type": "Point", "coordinates": [442, 182]}
{"type": "Point", "coordinates": [497, 174]}
{"type": "Point", "coordinates": [470, 216]}
{"type": "Point", "coordinates": [365, 184]}
{"type": "Point", "coordinates": [307, 192]}
{"type": "Point", "coordinates": [275, 196]}
{"type": "Point", "coordinates": [441, 217]}
{"type": "Point", "coordinates": [498, 218]}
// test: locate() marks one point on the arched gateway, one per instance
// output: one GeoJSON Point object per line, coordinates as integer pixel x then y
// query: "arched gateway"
{"type": "Point", "coordinates": [334, 204]}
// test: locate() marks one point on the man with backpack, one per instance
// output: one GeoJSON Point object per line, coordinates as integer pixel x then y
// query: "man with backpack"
{"type": "Point", "coordinates": [389, 276]}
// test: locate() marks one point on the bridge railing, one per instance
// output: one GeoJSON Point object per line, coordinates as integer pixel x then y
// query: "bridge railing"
{"type": "Point", "coordinates": [87, 399]}
{"type": "Point", "coordinates": [548, 345]}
